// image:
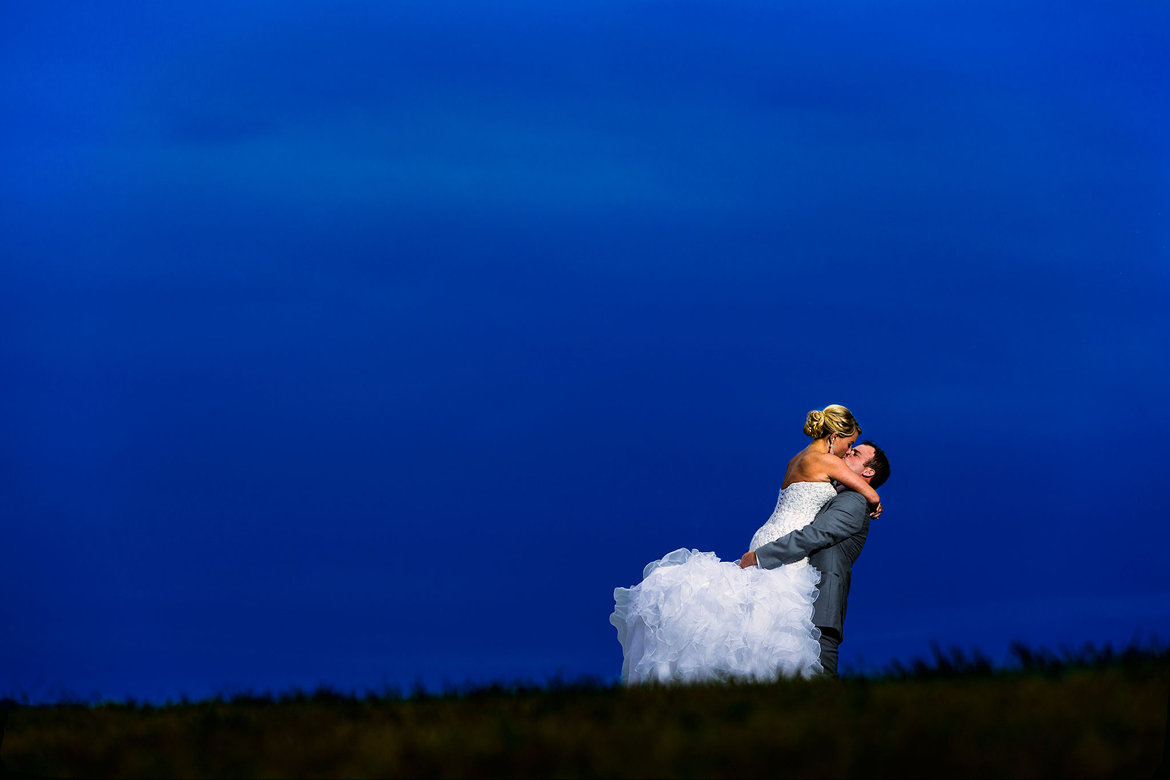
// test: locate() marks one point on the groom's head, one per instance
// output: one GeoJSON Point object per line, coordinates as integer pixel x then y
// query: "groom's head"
{"type": "Point", "coordinates": [868, 461]}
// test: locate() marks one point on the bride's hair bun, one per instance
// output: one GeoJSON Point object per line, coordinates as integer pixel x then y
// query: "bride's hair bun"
{"type": "Point", "coordinates": [832, 419]}
{"type": "Point", "coordinates": [814, 425]}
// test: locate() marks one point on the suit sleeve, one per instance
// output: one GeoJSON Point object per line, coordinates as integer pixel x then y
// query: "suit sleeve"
{"type": "Point", "coordinates": [843, 517]}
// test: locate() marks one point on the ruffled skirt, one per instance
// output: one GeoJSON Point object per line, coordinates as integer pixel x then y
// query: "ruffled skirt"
{"type": "Point", "coordinates": [695, 618]}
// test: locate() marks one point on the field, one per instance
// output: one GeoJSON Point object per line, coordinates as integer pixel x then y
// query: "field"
{"type": "Point", "coordinates": [1097, 717]}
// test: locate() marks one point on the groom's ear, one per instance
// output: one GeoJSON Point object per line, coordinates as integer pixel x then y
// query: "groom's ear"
{"type": "Point", "coordinates": [868, 473]}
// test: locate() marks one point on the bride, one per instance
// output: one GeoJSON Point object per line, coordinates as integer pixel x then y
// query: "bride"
{"type": "Point", "coordinates": [694, 617]}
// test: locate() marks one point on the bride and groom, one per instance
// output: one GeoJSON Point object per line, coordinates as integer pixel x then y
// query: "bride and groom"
{"type": "Point", "coordinates": [780, 610]}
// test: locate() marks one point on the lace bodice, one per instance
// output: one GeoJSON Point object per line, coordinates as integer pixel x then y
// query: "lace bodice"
{"type": "Point", "coordinates": [797, 505]}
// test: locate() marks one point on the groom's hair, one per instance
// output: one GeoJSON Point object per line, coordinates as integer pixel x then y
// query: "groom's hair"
{"type": "Point", "coordinates": [880, 465]}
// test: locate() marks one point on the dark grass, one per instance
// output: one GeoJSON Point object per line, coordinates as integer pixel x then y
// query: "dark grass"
{"type": "Point", "coordinates": [1084, 712]}
{"type": "Point", "coordinates": [954, 662]}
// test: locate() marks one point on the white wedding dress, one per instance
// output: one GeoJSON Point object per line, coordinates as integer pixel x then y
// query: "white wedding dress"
{"type": "Point", "coordinates": [694, 617]}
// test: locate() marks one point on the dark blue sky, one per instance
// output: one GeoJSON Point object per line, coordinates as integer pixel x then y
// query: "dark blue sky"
{"type": "Point", "coordinates": [362, 343]}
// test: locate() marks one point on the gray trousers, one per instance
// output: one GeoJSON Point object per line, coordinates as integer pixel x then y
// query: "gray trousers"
{"type": "Point", "coordinates": [830, 641]}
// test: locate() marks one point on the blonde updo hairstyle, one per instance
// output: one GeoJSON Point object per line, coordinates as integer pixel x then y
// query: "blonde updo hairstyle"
{"type": "Point", "coordinates": [832, 419]}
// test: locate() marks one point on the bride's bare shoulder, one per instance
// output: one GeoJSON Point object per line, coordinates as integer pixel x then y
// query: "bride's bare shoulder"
{"type": "Point", "coordinates": [806, 466]}
{"type": "Point", "coordinates": [809, 467]}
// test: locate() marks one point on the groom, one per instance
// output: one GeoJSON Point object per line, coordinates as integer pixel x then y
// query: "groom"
{"type": "Point", "coordinates": [832, 542]}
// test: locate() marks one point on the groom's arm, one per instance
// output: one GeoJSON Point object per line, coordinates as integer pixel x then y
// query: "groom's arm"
{"type": "Point", "coordinates": [843, 517]}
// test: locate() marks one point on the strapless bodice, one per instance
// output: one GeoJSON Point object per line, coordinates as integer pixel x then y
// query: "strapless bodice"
{"type": "Point", "coordinates": [796, 507]}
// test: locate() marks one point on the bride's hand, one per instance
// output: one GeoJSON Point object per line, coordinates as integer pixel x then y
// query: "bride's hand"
{"type": "Point", "coordinates": [877, 510]}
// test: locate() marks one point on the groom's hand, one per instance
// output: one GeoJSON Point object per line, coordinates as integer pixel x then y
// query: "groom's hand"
{"type": "Point", "coordinates": [748, 560]}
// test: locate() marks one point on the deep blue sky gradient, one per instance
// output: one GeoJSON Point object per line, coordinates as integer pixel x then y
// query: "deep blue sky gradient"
{"type": "Point", "coordinates": [362, 343]}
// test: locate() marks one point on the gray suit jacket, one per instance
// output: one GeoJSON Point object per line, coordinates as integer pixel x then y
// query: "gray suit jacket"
{"type": "Point", "coordinates": [832, 542]}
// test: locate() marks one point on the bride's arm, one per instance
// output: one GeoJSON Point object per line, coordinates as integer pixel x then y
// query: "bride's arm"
{"type": "Point", "coordinates": [836, 468]}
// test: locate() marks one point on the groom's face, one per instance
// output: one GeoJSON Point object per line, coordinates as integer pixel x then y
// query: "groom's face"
{"type": "Point", "coordinates": [856, 459]}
